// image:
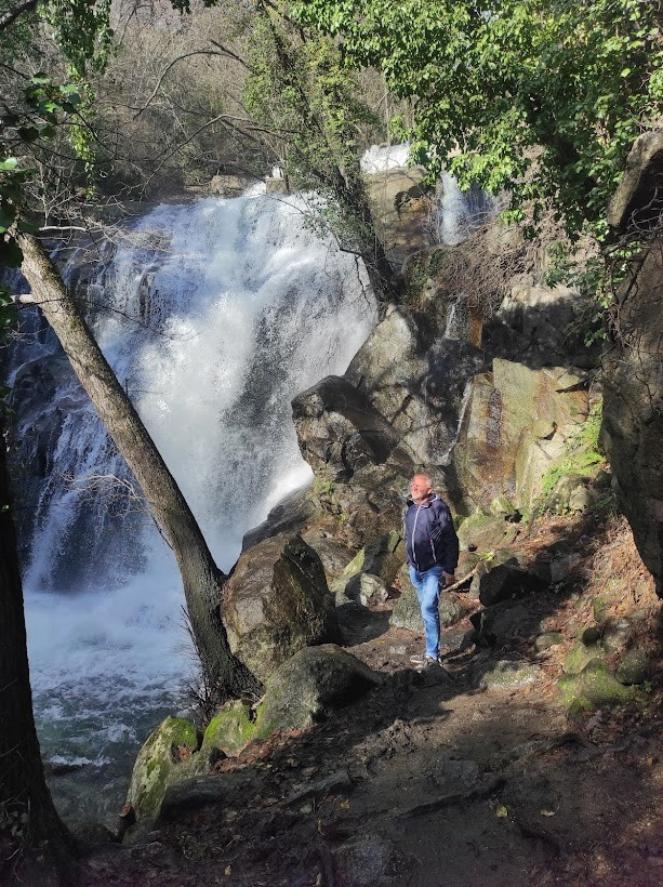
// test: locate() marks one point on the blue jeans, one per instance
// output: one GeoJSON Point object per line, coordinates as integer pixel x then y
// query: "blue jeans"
{"type": "Point", "coordinates": [427, 586]}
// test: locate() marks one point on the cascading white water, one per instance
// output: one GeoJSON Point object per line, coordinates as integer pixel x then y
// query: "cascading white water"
{"type": "Point", "coordinates": [218, 313]}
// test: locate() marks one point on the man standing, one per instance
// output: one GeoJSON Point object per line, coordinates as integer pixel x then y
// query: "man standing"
{"type": "Point", "coordinates": [432, 554]}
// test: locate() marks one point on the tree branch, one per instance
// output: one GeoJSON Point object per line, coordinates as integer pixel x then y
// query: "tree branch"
{"type": "Point", "coordinates": [8, 18]}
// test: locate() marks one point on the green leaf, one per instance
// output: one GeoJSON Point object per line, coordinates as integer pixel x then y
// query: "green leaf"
{"type": "Point", "coordinates": [8, 165]}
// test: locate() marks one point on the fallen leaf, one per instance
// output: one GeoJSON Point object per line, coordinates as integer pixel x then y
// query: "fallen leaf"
{"type": "Point", "coordinates": [501, 811]}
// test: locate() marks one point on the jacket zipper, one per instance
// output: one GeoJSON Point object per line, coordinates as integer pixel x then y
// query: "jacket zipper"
{"type": "Point", "coordinates": [414, 527]}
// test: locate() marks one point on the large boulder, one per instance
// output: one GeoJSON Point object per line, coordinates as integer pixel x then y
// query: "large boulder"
{"type": "Point", "coordinates": [339, 431]}
{"type": "Point", "coordinates": [416, 386]}
{"type": "Point", "coordinates": [516, 424]}
{"type": "Point", "coordinates": [276, 602]}
{"type": "Point", "coordinates": [308, 686]}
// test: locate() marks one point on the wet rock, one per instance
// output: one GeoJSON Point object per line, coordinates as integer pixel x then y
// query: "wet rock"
{"type": "Point", "coordinates": [277, 602]}
{"type": "Point", "coordinates": [508, 675]}
{"type": "Point", "coordinates": [160, 762]}
{"type": "Point", "coordinates": [406, 612]}
{"type": "Point", "coordinates": [633, 374]}
{"type": "Point", "coordinates": [307, 687]}
{"type": "Point", "coordinates": [593, 687]}
{"type": "Point", "coordinates": [616, 634]}
{"type": "Point", "coordinates": [201, 791]}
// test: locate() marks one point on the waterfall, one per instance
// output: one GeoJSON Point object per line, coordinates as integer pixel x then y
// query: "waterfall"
{"type": "Point", "coordinates": [213, 315]}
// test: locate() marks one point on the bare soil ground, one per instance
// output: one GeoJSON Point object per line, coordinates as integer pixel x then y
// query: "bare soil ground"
{"type": "Point", "coordinates": [432, 780]}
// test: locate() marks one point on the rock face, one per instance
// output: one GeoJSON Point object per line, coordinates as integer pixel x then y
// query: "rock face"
{"type": "Point", "coordinates": [306, 687]}
{"type": "Point", "coordinates": [638, 198]}
{"type": "Point", "coordinates": [417, 388]}
{"type": "Point", "coordinates": [381, 559]}
{"type": "Point", "coordinates": [276, 602]}
{"type": "Point", "coordinates": [338, 429]}
{"type": "Point", "coordinates": [516, 424]}
{"type": "Point", "coordinates": [633, 372]}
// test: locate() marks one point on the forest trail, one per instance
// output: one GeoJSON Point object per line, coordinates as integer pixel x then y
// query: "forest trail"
{"type": "Point", "coordinates": [468, 775]}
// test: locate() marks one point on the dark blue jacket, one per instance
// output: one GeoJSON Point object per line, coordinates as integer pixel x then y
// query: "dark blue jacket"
{"type": "Point", "coordinates": [430, 537]}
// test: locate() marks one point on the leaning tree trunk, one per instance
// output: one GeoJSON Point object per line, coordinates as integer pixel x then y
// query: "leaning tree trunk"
{"type": "Point", "coordinates": [34, 844]}
{"type": "Point", "coordinates": [201, 577]}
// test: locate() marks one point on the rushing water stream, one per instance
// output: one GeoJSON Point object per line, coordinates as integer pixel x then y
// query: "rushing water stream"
{"type": "Point", "coordinates": [216, 314]}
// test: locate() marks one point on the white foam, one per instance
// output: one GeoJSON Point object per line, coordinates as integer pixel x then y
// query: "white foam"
{"type": "Point", "coordinates": [381, 158]}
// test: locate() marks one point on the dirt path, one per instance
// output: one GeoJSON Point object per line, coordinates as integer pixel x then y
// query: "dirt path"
{"type": "Point", "coordinates": [434, 778]}
{"type": "Point", "coordinates": [429, 781]}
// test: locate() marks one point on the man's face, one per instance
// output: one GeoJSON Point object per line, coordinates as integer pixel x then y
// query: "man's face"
{"type": "Point", "coordinates": [420, 488]}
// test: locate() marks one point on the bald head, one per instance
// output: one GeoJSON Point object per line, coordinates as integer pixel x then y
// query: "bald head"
{"type": "Point", "coordinates": [420, 487]}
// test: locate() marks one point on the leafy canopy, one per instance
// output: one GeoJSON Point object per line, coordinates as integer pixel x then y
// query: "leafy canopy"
{"type": "Point", "coordinates": [540, 97]}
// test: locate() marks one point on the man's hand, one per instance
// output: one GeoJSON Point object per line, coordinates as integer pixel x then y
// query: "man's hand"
{"type": "Point", "coordinates": [447, 579]}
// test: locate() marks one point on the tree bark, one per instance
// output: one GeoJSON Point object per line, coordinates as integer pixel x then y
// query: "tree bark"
{"type": "Point", "coordinates": [34, 844]}
{"type": "Point", "coordinates": [201, 577]}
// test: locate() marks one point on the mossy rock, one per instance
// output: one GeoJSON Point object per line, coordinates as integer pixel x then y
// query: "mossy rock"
{"type": "Point", "coordinates": [406, 612]}
{"type": "Point", "coordinates": [307, 687]}
{"type": "Point", "coordinates": [230, 729]}
{"type": "Point", "coordinates": [486, 531]}
{"type": "Point", "coordinates": [579, 656]}
{"type": "Point", "coordinates": [161, 760]}
{"type": "Point", "coordinates": [633, 668]}
{"type": "Point", "coordinates": [593, 687]}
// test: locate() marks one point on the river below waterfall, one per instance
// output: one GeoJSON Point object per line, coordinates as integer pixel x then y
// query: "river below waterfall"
{"type": "Point", "coordinates": [214, 315]}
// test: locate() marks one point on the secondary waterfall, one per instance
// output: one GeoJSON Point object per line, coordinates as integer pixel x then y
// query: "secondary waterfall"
{"type": "Point", "coordinates": [213, 315]}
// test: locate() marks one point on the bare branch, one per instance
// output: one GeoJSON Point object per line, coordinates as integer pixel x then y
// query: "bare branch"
{"type": "Point", "coordinates": [8, 18]}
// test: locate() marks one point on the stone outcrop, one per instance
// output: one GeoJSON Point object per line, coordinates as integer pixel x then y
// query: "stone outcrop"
{"type": "Point", "coordinates": [517, 422]}
{"type": "Point", "coordinates": [339, 431]}
{"type": "Point", "coordinates": [417, 388]}
{"type": "Point", "coordinates": [276, 602]}
{"type": "Point", "coordinates": [633, 370]}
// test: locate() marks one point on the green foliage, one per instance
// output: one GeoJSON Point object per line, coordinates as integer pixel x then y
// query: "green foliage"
{"type": "Point", "coordinates": [583, 453]}
{"type": "Point", "coordinates": [540, 97]}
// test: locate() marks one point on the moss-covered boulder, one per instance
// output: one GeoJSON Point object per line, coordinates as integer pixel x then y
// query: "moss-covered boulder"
{"type": "Point", "coordinates": [231, 728]}
{"type": "Point", "coordinates": [547, 640]}
{"type": "Point", "coordinates": [580, 655]}
{"type": "Point", "coordinates": [593, 687]}
{"type": "Point", "coordinates": [161, 761]}
{"type": "Point", "coordinates": [277, 602]}
{"type": "Point", "coordinates": [307, 687]}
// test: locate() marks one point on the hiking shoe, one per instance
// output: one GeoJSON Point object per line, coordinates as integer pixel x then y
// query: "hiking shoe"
{"type": "Point", "coordinates": [423, 661]}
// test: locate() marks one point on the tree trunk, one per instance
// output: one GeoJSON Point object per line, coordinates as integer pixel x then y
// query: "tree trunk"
{"type": "Point", "coordinates": [34, 844]}
{"type": "Point", "coordinates": [201, 577]}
